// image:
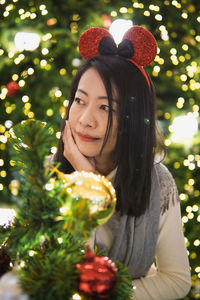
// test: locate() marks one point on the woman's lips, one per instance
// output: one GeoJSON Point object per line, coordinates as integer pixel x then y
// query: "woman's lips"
{"type": "Point", "coordinates": [86, 138]}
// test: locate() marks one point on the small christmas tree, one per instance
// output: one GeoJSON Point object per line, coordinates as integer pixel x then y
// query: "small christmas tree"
{"type": "Point", "coordinates": [47, 241]}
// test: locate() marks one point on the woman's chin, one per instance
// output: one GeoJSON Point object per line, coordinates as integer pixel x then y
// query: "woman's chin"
{"type": "Point", "coordinates": [87, 152]}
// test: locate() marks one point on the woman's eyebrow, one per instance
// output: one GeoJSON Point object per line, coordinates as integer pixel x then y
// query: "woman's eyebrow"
{"type": "Point", "coordinates": [100, 97]}
{"type": "Point", "coordinates": [82, 91]}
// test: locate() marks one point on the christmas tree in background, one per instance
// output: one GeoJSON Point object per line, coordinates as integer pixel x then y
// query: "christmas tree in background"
{"type": "Point", "coordinates": [35, 78]}
{"type": "Point", "coordinates": [48, 239]}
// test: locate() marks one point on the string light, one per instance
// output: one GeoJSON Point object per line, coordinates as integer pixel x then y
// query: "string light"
{"type": "Point", "coordinates": [26, 41]}
{"type": "Point", "coordinates": [7, 216]}
{"type": "Point", "coordinates": [118, 28]}
{"type": "Point", "coordinates": [53, 150]}
{"type": "Point", "coordinates": [76, 296]}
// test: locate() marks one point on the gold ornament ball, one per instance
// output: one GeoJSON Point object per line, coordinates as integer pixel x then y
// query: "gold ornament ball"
{"type": "Point", "coordinates": [97, 189]}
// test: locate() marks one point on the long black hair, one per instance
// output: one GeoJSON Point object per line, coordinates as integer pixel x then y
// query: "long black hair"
{"type": "Point", "coordinates": [137, 133]}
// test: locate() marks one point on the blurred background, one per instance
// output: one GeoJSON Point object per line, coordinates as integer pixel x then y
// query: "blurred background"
{"type": "Point", "coordinates": [39, 57]}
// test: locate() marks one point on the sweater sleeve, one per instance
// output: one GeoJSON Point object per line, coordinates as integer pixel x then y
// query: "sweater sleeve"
{"type": "Point", "coordinates": [171, 278]}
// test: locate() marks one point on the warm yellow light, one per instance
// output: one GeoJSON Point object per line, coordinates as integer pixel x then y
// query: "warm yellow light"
{"type": "Point", "coordinates": [58, 93]}
{"type": "Point", "coordinates": [188, 56]}
{"type": "Point", "coordinates": [136, 5]}
{"type": "Point", "coordinates": [58, 135]}
{"type": "Point", "coordinates": [190, 216]}
{"type": "Point", "coordinates": [9, 110]}
{"type": "Point", "coordinates": [181, 58]}
{"type": "Point", "coordinates": [191, 157]}
{"type": "Point", "coordinates": [169, 73]}
{"type": "Point", "coordinates": [197, 157]}
{"type": "Point", "coordinates": [30, 71]}
{"type": "Point", "coordinates": [43, 62]}
{"type": "Point", "coordinates": [183, 77]}
{"type": "Point", "coordinates": [182, 196]}
{"type": "Point", "coordinates": [158, 17]}
{"type": "Point", "coordinates": [3, 173]}
{"type": "Point", "coordinates": [33, 16]}
{"type": "Point", "coordinates": [63, 72]}
{"type": "Point", "coordinates": [185, 47]}
{"type": "Point", "coordinates": [60, 240]}
{"type": "Point", "coordinates": [191, 166]}
{"type": "Point", "coordinates": [196, 243]}
{"type": "Point", "coordinates": [53, 150]}
{"type": "Point", "coordinates": [184, 87]}
{"type": "Point", "coordinates": [45, 51]}
{"type": "Point", "coordinates": [76, 296]}
{"type": "Point", "coordinates": [44, 12]}
{"type": "Point", "coordinates": [26, 41]}
{"type": "Point", "coordinates": [11, 54]}
{"type": "Point", "coordinates": [167, 116]}
{"type": "Point", "coordinates": [156, 69]}
{"type": "Point", "coordinates": [179, 105]}
{"type": "Point", "coordinates": [154, 73]}
{"type": "Point", "coordinates": [6, 216]}
{"type": "Point", "coordinates": [146, 13]}
{"type": "Point", "coordinates": [176, 165]}
{"type": "Point", "coordinates": [173, 51]}
{"type": "Point", "coordinates": [189, 209]}
{"type": "Point", "coordinates": [197, 38]}
{"type": "Point", "coordinates": [113, 13]}
{"type": "Point", "coordinates": [27, 106]}
{"type": "Point", "coordinates": [184, 15]}
{"type": "Point", "coordinates": [123, 10]}
{"type": "Point", "coordinates": [49, 112]}
{"type": "Point", "coordinates": [42, 7]}
{"type": "Point", "coordinates": [21, 83]}
{"type": "Point", "coordinates": [195, 208]}
{"type": "Point", "coordinates": [185, 219]}
{"type": "Point", "coordinates": [181, 100]}
{"type": "Point", "coordinates": [191, 181]}
{"type": "Point", "coordinates": [118, 28]}
{"type": "Point", "coordinates": [31, 114]}
{"type": "Point", "coordinates": [167, 142]}
{"type": "Point", "coordinates": [25, 98]}
{"type": "Point", "coordinates": [47, 37]}
{"type": "Point", "coordinates": [184, 127]}
{"type": "Point", "coordinates": [6, 14]}
{"type": "Point", "coordinates": [66, 103]}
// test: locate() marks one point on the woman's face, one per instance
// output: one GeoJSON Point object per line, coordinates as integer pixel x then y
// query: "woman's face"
{"type": "Point", "coordinates": [88, 116]}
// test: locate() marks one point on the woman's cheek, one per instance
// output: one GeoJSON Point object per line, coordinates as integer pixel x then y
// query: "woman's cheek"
{"type": "Point", "coordinates": [71, 117]}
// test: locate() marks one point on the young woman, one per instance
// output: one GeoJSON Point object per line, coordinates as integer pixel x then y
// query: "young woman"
{"type": "Point", "coordinates": [110, 128]}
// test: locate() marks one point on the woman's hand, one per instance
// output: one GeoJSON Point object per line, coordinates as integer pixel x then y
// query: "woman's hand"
{"type": "Point", "coordinates": [73, 155]}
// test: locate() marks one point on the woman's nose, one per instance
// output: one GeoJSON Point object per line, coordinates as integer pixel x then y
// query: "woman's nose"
{"type": "Point", "coordinates": [88, 118]}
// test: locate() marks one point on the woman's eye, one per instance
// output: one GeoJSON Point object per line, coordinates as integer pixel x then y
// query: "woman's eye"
{"type": "Point", "coordinates": [78, 100]}
{"type": "Point", "coordinates": [106, 108]}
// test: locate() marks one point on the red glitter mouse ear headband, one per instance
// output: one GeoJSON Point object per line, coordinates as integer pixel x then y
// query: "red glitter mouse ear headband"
{"type": "Point", "coordinates": [138, 45]}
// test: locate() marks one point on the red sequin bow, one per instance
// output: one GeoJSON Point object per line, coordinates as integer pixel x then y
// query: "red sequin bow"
{"type": "Point", "coordinates": [138, 45]}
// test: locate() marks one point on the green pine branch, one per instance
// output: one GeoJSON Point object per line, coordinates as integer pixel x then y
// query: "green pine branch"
{"type": "Point", "coordinates": [43, 241]}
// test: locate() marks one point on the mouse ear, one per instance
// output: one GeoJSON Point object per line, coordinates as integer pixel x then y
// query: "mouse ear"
{"type": "Point", "coordinates": [144, 45]}
{"type": "Point", "coordinates": [90, 40]}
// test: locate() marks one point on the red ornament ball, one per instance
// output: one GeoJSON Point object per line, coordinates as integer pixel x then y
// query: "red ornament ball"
{"type": "Point", "coordinates": [5, 261]}
{"type": "Point", "coordinates": [12, 88]}
{"type": "Point", "coordinates": [98, 276]}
